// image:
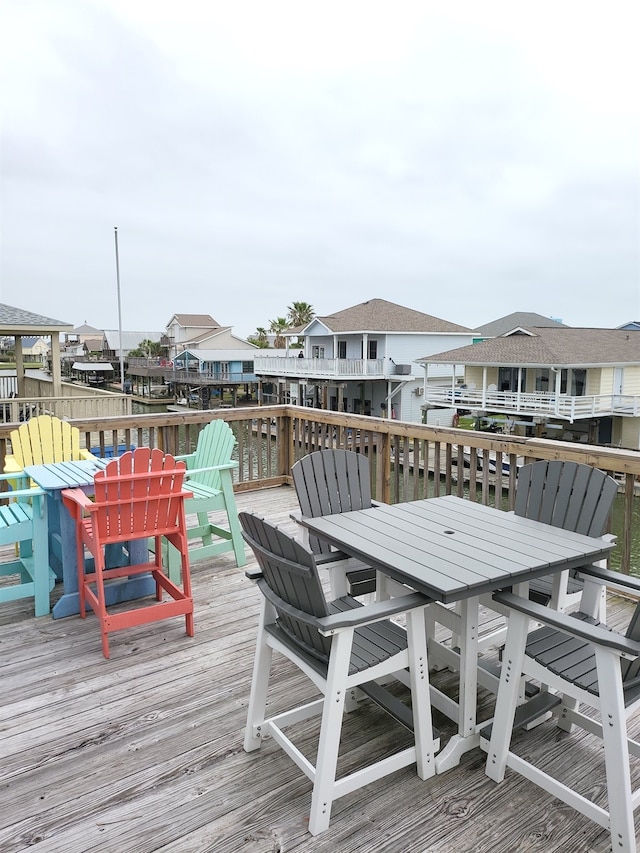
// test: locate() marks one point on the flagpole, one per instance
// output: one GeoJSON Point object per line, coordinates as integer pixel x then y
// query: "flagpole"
{"type": "Point", "coordinates": [119, 311]}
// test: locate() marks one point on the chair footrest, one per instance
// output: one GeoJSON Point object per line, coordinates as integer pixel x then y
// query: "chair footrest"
{"type": "Point", "coordinates": [530, 690]}
{"type": "Point", "coordinates": [527, 713]}
{"type": "Point", "coordinates": [392, 705]}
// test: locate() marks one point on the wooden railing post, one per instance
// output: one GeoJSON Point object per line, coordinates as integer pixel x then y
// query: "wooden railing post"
{"type": "Point", "coordinates": [286, 456]}
{"type": "Point", "coordinates": [383, 468]}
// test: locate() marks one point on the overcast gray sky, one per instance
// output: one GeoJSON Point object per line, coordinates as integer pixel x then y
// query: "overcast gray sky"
{"type": "Point", "coordinates": [466, 159]}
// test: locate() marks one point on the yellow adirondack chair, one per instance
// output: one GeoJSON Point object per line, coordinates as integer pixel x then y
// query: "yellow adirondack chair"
{"type": "Point", "coordinates": [43, 440]}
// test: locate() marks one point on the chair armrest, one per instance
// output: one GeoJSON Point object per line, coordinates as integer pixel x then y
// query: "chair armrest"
{"type": "Point", "coordinates": [358, 616]}
{"type": "Point", "coordinates": [332, 557]}
{"type": "Point", "coordinates": [616, 580]}
{"type": "Point", "coordinates": [21, 493]}
{"type": "Point", "coordinates": [253, 574]}
{"type": "Point", "coordinates": [75, 500]}
{"type": "Point", "coordinates": [11, 466]}
{"type": "Point", "coordinates": [225, 466]}
{"type": "Point", "coordinates": [369, 613]}
{"type": "Point", "coordinates": [88, 455]}
{"type": "Point", "coordinates": [185, 457]}
{"type": "Point", "coordinates": [596, 634]}
{"type": "Point", "coordinates": [19, 475]}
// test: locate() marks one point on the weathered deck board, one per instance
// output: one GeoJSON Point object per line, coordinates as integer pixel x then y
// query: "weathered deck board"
{"type": "Point", "coordinates": [144, 752]}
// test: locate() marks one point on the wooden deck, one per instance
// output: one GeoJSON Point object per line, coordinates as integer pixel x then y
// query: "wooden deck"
{"type": "Point", "coordinates": [144, 752]}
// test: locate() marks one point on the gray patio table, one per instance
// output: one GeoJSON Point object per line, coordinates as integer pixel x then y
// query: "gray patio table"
{"type": "Point", "coordinates": [455, 550]}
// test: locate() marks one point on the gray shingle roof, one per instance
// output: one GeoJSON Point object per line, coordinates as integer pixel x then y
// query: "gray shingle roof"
{"type": "Point", "coordinates": [204, 320]}
{"type": "Point", "coordinates": [565, 347]}
{"type": "Point", "coordinates": [517, 320]}
{"type": "Point", "coordinates": [16, 319]}
{"type": "Point", "coordinates": [378, 315]}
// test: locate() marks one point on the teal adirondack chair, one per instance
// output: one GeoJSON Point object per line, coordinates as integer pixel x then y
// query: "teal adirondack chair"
{"type": "Point", "coordinates": [209, 476]}
{"type": "Point", "coordinates": [23, 523]}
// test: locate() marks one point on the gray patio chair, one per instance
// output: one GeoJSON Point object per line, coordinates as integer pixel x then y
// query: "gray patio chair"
{"type": "Point", "coordinates": [326, 482]}
{"type": "Point", "coordinates": [569, 495]}
{"type": "Point", "coordinates": [583, 663]}
{"type": "Point", "coordinates": [343, 647]}
{"type": "Point", "coordinates": [572, 496]}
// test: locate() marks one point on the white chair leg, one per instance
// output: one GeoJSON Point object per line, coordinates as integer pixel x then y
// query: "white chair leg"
{"type": "Point", "coordinates": [331, 726]}
{"type": "Point", "coordinates": [507, 698]}
{"type": "Point", "coordinates": [616, 752]}
{"type": "Point", "coordinates": [259, 687]}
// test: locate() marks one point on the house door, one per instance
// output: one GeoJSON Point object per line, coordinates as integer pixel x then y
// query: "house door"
{"type": "Point", "coordinates": [618, 385]}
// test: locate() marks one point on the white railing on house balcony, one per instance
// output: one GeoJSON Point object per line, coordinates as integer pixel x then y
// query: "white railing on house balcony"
{"type": "Point", "coordinates": [324, 368]}
{"type": "Point", "coordinates": [195, 377]}
{"type": "Point", "coordinates": [539, 403]}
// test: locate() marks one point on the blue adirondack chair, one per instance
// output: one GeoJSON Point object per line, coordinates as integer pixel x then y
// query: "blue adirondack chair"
{"type": "Point", "coordinates": [210, 478]}
{"type": "Point", "coordinates": [23, 522]}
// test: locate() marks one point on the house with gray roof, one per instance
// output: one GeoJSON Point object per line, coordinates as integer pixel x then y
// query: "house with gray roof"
{"type": "Point", "coordinates": [557, 382]}
{"type": "Point", "coordinates": [200, 331]}
{"type": "Point", "coordinates": [361, 360]}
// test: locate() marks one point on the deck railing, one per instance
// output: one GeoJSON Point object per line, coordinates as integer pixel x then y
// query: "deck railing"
{"type": "Point", "coordinates": [321, 368]}
{"type": "Point", "coordinates": [408, 461]}
{"type": "Point", "coordinates": [543, 403]}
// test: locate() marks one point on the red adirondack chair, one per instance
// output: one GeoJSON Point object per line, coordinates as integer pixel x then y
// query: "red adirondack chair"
{"type": "Point", "coordinates": [137, 496]}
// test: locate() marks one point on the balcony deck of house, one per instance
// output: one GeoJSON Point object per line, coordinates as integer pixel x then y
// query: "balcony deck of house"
{"type": "Point", "coordinates": [539, 403]}
{"type": "Point", "coordinates": [325, 368]}
{"type": "Point", "coordinates": [144, 751]}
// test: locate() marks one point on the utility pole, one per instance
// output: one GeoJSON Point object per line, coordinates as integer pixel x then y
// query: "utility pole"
{"type": "Point", "coordinates": [119, 312]}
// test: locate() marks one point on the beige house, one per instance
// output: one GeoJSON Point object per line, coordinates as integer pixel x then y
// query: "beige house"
{"type": "Point", "coordinates": [36, 348]}
{"type": "Point", "coordinates": [560, 382]}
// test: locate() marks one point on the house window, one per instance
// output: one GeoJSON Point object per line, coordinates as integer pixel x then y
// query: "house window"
{"type": "Point", "coordinates": [247, 367]}
{"type": "Point", "coordinates": [342, 349]}
{"type": "Point", "coordinates": [578, 382]}
{"type": "Point", "coordinates": [372, 350]}
{"type": "Point", "coordinates": [508, 379]}
{"type": "Point", "coordinates": [317, 352]}
{"type": "Point", "coordinates": [543, 379]}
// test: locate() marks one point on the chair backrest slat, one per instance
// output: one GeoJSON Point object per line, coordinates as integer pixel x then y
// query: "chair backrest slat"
{"type": "Point", "coordinates": [43, 440]}
{"type": "Point", "coordinates": [139, 493]}
{"type": "Point", "coordinates": [289, 570]}
{"type": "Point", "coordinates": [569, 495]}
{"type": "Point", "coordinates": [331, 481]}
{"type": "Point", "coordinates": [215, 446]}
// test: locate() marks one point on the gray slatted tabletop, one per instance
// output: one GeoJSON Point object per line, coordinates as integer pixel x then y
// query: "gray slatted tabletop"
{"type": "Point", "coordinates": [451, 548]}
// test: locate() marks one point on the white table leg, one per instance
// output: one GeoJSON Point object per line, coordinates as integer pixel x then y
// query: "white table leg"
{"type": "Point", "coordinates": [466, 738]}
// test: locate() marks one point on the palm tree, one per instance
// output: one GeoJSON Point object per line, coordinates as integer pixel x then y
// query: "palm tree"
{"type": "Point", "coordinates": [260, 338]}
{"type": "Point", "coordinates": [300, 313]}
{"type": "Point", "coordinates": [278, 327]}
{"type": "Point", "coordinates": [148, 349]}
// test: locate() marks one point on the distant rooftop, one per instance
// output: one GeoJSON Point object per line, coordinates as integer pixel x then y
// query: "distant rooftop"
{"type": "Point", "coordinates": [378, 315]}
{"type": "Point", "coordinates": [517, 320]}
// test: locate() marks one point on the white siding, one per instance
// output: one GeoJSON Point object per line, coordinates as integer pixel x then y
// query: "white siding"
{"type": "Point", "coordinates": [406, 348]}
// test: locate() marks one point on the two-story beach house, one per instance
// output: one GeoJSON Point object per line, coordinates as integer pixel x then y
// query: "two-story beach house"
{"type": "Point", "coordinates": [360, 360]}
{"type": "Point", "coordinates": [194, 331]}
{"type": "Point", "coordinates": [556, 382]}
{"type": "Point", "coordinates": [202, 376]}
